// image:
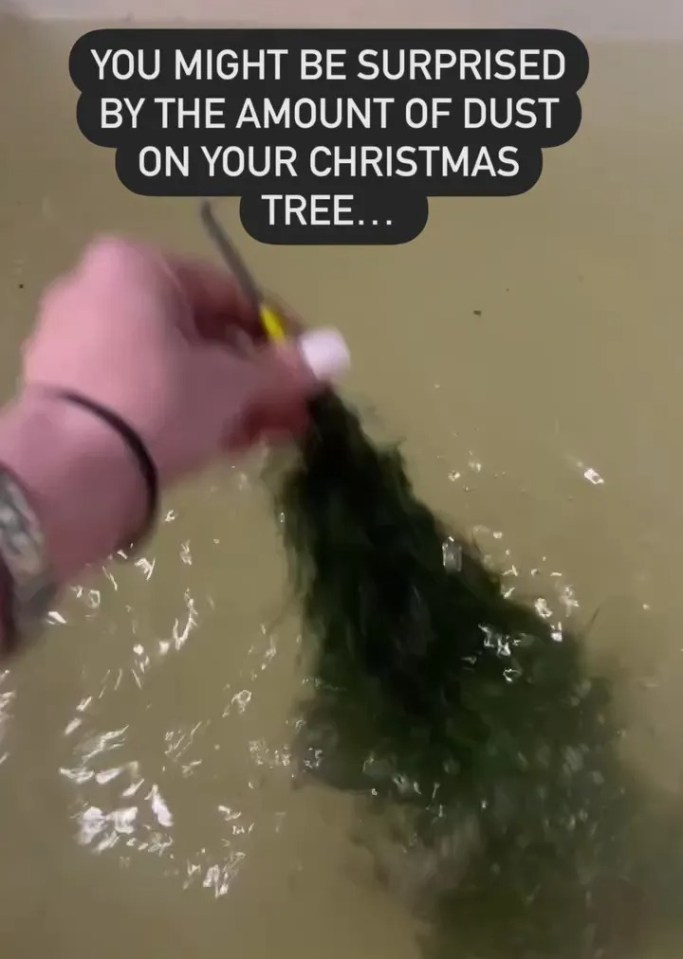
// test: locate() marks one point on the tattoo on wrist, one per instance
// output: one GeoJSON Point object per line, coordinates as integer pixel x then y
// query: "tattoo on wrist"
{"type": "Point", "coordinates": [28, 584]}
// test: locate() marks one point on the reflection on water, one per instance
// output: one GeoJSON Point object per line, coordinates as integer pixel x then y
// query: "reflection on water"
{"type": "Point", "coordinates": [120, 779]}
{"type": "Point", "coordinates": [147, 773]}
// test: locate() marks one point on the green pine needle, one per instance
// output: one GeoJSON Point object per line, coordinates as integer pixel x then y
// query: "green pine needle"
{"type": "Point", "coordinates": [455, 712]}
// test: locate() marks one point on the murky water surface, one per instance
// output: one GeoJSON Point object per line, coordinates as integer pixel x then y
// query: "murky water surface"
{"type": "Point", "coordinates": [527, 350]}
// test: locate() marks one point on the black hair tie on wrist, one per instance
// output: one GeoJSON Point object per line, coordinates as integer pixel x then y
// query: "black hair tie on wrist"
{"type": "Point", "coordinates": [149, 471]}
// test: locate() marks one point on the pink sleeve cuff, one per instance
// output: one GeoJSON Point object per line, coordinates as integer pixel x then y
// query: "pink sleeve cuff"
{"type": "Point", "coordinates": [78, 475]}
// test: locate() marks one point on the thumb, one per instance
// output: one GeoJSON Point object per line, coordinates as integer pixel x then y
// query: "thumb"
{"type": "Point", "coordinates": [267, 391]}
{"type": "Point", "coordinates": [297, 368]}
{"type": "Point", "coordinates": [281, 378]}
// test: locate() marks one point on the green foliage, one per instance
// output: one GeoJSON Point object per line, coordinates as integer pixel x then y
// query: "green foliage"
{"type": "Point", "coordinates": [454, 711]}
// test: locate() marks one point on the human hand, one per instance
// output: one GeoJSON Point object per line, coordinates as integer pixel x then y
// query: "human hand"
{"type": "Point", "coordinates": [171, 346]}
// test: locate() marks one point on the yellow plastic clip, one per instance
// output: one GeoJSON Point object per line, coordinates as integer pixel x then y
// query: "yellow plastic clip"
{"type": "Point", "coordinates": [272, 324]}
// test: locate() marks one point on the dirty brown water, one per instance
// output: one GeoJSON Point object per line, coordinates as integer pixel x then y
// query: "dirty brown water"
{"type": "Point", "coordinates": [528, 351]}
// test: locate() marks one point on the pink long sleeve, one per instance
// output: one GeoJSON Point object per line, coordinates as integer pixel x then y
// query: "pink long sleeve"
{"type": "Point", "coordinates": [78, 475]}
